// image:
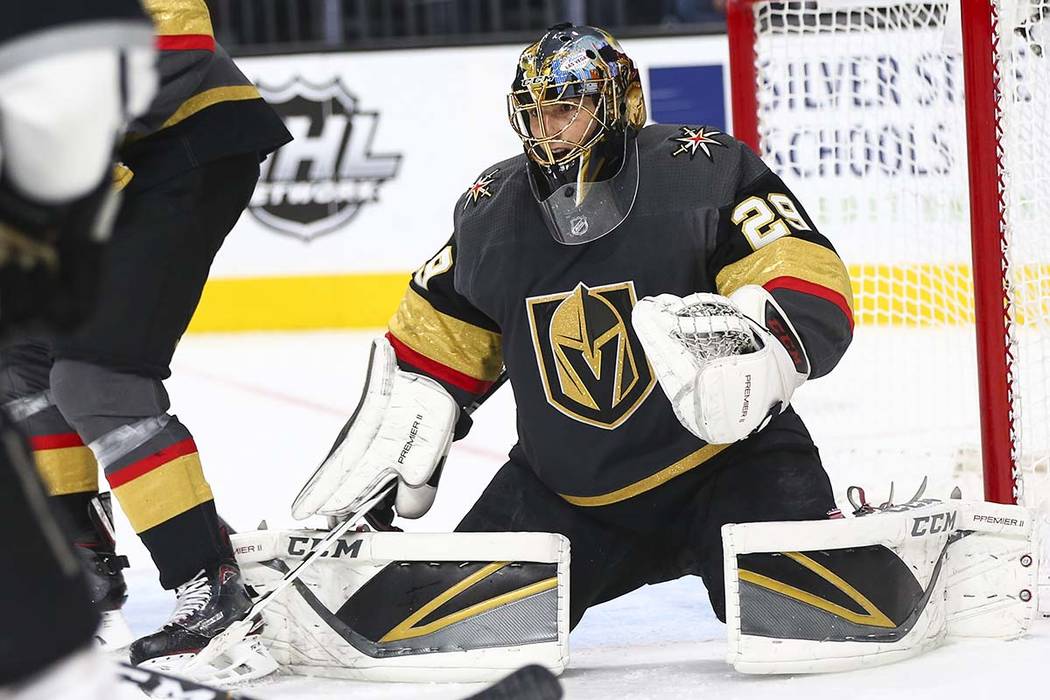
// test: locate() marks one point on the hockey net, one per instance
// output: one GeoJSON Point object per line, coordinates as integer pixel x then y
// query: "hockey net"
{"type": "Point", "coordinates": [861, 107]}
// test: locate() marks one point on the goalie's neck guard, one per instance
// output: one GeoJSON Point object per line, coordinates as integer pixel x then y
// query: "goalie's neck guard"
{"type": "Point", "coordinates": [579, 211]}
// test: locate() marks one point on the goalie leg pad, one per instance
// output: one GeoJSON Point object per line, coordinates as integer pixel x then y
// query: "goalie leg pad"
{"type": "Point", "coordinates": [832, 595]}
{"type": "Point", "coordinates": [837, 595]}
{"type": "Point", "coordinates": [414, 607]}
{"type": "Point", "coordinates": [992, 572]}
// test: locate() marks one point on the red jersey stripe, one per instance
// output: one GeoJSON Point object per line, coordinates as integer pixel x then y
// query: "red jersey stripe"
{"type": "Point", "coordinates": [436, 369]}
{"type": "Point", "coordinates": [817, 290]}
{"type": "Point", "coordinates": [148, 464]}
{"type": "Point", "coordinates": [55, 442]}
{"type": "Point", "coordinates": [186, 42]}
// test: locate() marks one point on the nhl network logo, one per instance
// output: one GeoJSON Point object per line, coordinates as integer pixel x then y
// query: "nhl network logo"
{"type": "Point", "coordinates": [322, 179]}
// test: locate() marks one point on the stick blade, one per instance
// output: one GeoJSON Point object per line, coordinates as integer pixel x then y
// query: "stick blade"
{"type": "Point", "coordinates": [154, 683]}
{"type": "Point", "coordinates": [532, 682]}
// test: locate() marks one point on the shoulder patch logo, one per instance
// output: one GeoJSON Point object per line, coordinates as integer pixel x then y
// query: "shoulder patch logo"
{"type": "Point", "coordinates": [480, 188]}
{"type": "Point", "coordinates": [696, 139]}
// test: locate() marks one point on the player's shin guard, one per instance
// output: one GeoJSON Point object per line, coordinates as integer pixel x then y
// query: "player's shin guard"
{"type": "Point", "coordinates": [414, 607]}
{"type": "Point", "coordinates": [842, 594]}
{"type": "Point", "coordinates": [156, 474]}
{"type": "Point", "coordinates": [150, 461]}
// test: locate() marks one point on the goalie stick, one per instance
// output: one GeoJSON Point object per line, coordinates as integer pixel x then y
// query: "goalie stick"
{"type": "Point", "coordinates": [532, 682]}
{"type": "Point", "coordinates": [162, 685]}
{"type": "Point", "coordinates": [236, 633]}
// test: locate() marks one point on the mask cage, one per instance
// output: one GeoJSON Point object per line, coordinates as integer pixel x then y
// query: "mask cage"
{"type": "Point", "coordinates": [572, 95]}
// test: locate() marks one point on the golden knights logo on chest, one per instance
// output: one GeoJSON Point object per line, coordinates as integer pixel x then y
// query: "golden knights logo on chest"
{"type": "Point", "coordinates": [589, 359]}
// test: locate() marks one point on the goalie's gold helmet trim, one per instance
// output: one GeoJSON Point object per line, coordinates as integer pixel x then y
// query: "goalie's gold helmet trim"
{"type": "Point", "coordinates": [585, 184]}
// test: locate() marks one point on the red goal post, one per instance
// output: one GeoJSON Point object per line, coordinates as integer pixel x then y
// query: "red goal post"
{"type": "Point", "coordinates": [998, 54]}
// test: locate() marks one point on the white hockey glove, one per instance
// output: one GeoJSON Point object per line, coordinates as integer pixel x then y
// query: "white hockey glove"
{"type": "Point", "coordinates": [401, 430]}
{"type": "Point", "coordinates": [727, 364]}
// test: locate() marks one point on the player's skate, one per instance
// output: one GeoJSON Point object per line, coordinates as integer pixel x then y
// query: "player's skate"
{"type": "Point", "coordinates": [205, 606]}
{"type": "Point", "coordinates": [103, 571]}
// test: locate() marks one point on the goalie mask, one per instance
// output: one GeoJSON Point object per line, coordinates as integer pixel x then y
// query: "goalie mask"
{"type": "Point", "coordinates": [576, 103]}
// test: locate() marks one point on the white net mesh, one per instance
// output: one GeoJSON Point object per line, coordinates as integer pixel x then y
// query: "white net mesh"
{"type": "Point", "coordinates": [1024, 108]}
{"type": "Point", "coordinates": [861, 111]}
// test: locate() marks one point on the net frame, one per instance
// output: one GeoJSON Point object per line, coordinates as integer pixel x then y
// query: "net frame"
{"type": "Point", "coordinates": [993, 300]}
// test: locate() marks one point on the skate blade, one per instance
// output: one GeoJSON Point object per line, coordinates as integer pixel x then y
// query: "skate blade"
{"type": "Point", "coordinates": [247, 662]}
{"type": "Point", "coordinates": [113, 634]}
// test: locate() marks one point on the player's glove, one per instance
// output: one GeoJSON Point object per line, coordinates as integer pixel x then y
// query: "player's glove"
{"type": "Point", "coordinates": [401, 431]}
{"type": "Point", "coordinates": [50, 258]}
{"type": "Point", "coordinates": [727, 364]}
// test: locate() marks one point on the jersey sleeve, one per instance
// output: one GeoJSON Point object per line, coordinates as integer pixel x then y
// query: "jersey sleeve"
{"type": "Point", "coordinates": [185, 48]}
{"type": "Point", "coordinates": [765, 237]}
{"type": "Point", "coordinates": [436, 331]}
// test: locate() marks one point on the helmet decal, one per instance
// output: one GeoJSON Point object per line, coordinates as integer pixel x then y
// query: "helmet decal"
{"type": "Point", "coordinates": [576, 103]}
{"type": "Point", "coordinates": [581, 71]}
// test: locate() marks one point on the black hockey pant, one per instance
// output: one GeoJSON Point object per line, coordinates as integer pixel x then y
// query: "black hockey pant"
{"type": "Point", "coordinates": [756, 483]}
{"type": "Point", "coordinates": [104, 380]}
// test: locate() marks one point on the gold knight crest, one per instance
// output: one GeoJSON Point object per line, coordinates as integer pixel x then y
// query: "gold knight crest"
{"type": "Point", "coordinates": [591, 363]}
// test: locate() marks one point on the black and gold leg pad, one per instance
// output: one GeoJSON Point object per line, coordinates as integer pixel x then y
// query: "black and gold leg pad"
{"type": "Point", "coordinates": [835, 595]}
{"type": "Point", "coordinates": [410, 606]}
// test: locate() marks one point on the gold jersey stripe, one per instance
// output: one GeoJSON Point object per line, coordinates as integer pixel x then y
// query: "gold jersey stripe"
{"type": "Point", "coordinates": [67, 470]}
{"type": "Point", "coordinates": [162, 493]}
{"type": "Point", "coordinates": [208, 98]}
{"type": "Point", "coordinates": [788, 257]}
{"type": "Point", "coordinates": [462, 346]}
{"type": "Point", "coordinates": [688, 463]}
{"type": "Point", "coordinates": [175, 17]}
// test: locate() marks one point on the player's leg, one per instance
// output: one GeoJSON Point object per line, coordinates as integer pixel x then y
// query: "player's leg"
{"type": "Point", "coordinates": [64, 93]}
{"type": "Point", "coordinates": [66, 465]}
{"type": "Point", "coordinates": [779, 477]}
{"type": "Point", "coordinates": [48, 651]}
{"type": "Point", "coordinates": [106, 380]}
{"type": "Point", "coordinates": [606, 561]}
{"type": "Point", "coordinates": [70, 474]}
{"type": "Point", "coordinates": [44, 604]}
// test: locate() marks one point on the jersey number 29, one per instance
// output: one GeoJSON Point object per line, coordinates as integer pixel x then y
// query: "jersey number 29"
{"type": "Point", "coordinates": [763, 221]}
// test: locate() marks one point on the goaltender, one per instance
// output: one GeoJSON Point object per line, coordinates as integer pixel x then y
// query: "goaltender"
{"type": "Point", "coordinates": [608, 257]}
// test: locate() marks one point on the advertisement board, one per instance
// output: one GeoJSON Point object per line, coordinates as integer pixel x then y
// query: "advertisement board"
{"type": "Point", "coordinates": [385, 143]}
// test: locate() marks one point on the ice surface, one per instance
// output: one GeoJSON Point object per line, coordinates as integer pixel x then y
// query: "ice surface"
{"type": "Point", "coordinates": [264, 409]}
